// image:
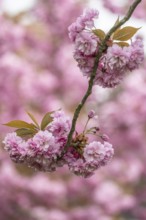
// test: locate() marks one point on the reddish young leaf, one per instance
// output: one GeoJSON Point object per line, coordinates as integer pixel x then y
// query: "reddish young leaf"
{"type": "Point", "coordinates": [20, 124]}
{"type": "Point", "coordinates": [125, 33]}
{"type": "Point", "coordinates": [22, 132]}
{"type": "Point", "coordinates": [46, 120]}
{"type": "Point", "coordinates": [33, 119]}
{"type": "Point", "coordinates": [99, 33]}
{"type": "Point", "coordinates": [122, 44]}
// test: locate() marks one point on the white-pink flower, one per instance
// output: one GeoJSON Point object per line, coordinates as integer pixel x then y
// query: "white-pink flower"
{"type": "Point", "coordinates": [44, 139]}
{"type": "Point", "coordinates": [137, 54]}
{"type": "Point", "coordinates": [88, 17]}
{"type": "Point", "coordinates": [94, 152]}
{"type": "Point", "coordinates": [86, 43]}
{"type": "Point", "coordinates": [117, 57]}
{"type": "Point", "coordinates": [60, 126]}
{"type": "Point", "coordinates": [16, 147]}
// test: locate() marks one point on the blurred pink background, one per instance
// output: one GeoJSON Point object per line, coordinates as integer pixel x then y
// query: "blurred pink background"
{"type": "Point", "coordinates": [38, 73]}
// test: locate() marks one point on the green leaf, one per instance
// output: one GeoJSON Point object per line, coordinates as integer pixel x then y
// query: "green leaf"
{"type": "Point", "coordinates": [125, 33]}
{"type": "Point", "coordinates": [20, 124]}
{"type": "Point", "coordinates": [25, 132]}
{"type": "Point", "coordinates": [122, 44]}
{"type": "Point", "coordinates": [33, 119]}
{"type": "Point", "coordinates": [99, 33]}
{"type": "Point", "coordinates": [46, 120]}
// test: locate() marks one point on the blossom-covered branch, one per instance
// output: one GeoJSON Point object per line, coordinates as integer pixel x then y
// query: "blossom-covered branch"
{"type": "Point", "coordinates": [102, 47]}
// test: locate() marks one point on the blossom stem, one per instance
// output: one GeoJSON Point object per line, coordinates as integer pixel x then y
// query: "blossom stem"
{"type": "Point", "coordinates": [86, 125]}
{"type": "Point", "coordinates": [102, 48]}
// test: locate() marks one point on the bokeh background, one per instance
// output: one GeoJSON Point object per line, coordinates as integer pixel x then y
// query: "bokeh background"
{"type": "Point", "coordinates": [38, 74]}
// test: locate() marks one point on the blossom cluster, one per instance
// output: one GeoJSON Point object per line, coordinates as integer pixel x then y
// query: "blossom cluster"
{"type": "Point", "coordinates": [44, 150]}
{"type": "Point", "coordinates": [118, 57]}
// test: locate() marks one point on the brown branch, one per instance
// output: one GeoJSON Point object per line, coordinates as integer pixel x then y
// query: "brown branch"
{"type": "Point", "coordinates": [93, 74]}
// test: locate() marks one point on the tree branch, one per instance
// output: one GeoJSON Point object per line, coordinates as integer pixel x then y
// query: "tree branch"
{"type": "Point", "coordinates": [93, 74]}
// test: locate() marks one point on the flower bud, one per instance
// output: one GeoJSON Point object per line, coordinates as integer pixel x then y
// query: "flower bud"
{"type": "Point", "coordinates": [91, 114]}
{"type": "Point", "coordinates": [104, 137]}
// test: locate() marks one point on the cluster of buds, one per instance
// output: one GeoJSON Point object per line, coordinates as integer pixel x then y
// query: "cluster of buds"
{"type": "Point", "coordinates": [79, 142]}
{"type": "Point", "coordinates": [42, 146]}
{"type": "Point", "coordinates": [121, 53]}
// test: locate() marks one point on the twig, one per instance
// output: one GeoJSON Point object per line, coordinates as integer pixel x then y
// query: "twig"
{"type": "Point", "coordinates": [93, 74]}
